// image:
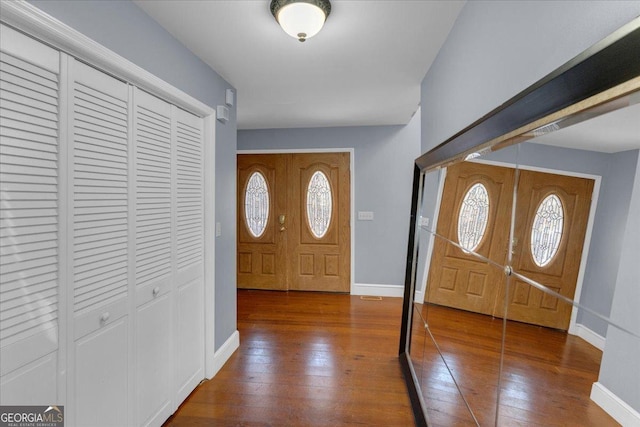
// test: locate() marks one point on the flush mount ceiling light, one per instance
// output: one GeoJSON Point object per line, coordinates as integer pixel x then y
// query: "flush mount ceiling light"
{"type": "Point", "coordinates": [301, 19]}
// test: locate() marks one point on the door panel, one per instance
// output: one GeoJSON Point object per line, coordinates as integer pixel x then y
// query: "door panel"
{"type": "Point", "coordinates": [528, 304]}
{"type": "Point", "coordinates": [101, 376]}
{"type": "Point", "coordinates": [287, 255]}
{"type": "Point", "coordinates": [189, 337]}
{"type": "Point", "coordinates": [153, 361]}
{"type": "Point", "coordinates": [261, 260]}
{"type": "Point", "coordinates": [321, 264]}
{"type": "Point", "coordinates": [458, 279]}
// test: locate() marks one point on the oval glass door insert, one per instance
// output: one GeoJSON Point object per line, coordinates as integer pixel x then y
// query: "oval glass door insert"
{"type": "Point", "coordinates": [256, 204]}
{"type": "Point", "coordinates": [319, 204]}
{"type": "Point", "coordinates": [546, 231]}
{"type": "Point", "coordinates": [473, 217]}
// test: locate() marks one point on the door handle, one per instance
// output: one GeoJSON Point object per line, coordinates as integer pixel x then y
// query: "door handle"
{"type": "Point", "coordinates": [281, 221]}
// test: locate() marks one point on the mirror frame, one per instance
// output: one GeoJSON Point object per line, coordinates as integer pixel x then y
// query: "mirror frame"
{"type": "Point", "coordinates": [591, 84]}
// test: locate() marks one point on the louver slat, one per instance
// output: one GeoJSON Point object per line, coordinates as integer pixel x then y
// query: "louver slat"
{"type": "Point", "coordinates": [153, 189]}
{"type": "Point", "coordinates": [100, 132]}
{"type": "Point", "coordinates": [190, 202]}
{"type": "Point", "coordinates": [28, 201]}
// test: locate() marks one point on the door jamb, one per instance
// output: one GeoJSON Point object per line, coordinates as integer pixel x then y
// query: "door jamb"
{"type": "Point", "coordinates": [352, 198]}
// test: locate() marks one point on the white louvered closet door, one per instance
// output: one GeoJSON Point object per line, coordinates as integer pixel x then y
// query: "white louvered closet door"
{"type": "Point", "coordinates": [100, 247]}
{"type": "Point", "coordinates": [154, 256]}
{"type": "Point", "coordinates": [29, 212]}
{"type": "Point", "coordinates": [189, 250]}
{"type": "Point", "coordinates": [101, 242]}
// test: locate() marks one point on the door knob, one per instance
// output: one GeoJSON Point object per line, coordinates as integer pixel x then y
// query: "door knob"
{"type": "Point", "coordinates": [281, 221]}
{"type": "Point", "coordinates": [105, 316]}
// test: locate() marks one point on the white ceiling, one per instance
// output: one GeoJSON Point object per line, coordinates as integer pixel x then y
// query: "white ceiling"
{"type": "Point", "coordinates": [364, 68]}
{"type": "Point", "coordinates": [612, 132]}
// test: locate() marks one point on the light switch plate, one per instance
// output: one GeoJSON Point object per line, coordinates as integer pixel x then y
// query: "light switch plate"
{"type": "Point", "coordinates": [365, 216]}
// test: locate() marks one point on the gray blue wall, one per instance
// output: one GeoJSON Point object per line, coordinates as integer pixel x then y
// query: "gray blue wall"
{"type": "Point", "coordinates": [619, 370]}
{"type": "Point", "coordinates": [384, 157]}
{"type": "Point", "coordinates": [125, 29]}
{"type": "Point", "coordinates": [497, 49]}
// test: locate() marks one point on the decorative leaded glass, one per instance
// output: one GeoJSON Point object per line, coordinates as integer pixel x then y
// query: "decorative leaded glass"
{"type": "Point", "coordinates": [473, 217]}
{"type": "Point", "coordinates": [256, 204]}
{"type": "Point", "coordinates": [546, 231]}
{"type": "Point", "coordinates": [319, 204]}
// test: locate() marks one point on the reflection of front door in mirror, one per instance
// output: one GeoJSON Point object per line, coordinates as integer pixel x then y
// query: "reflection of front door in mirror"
{"type": "Point", "coordinates": [557, 206]}
{"type": "Point", "coordinates": [294, 222]}
{"type": "Point", "coordinates": [458, 279]}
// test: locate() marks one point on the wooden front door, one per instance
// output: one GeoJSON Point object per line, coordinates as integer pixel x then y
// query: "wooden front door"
{"type": "Point", "coordinates": [457, 279]}
{"type": "Point", "coordinates": [262, 247]}
{"type": "Point", "coordinates": [294, 222]}
{"type": "Point", "coordinates": [560, 272]}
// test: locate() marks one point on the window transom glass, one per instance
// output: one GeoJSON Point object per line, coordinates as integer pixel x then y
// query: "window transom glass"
{"type": "Point", "coordinates": [319, 204]}
{"type": "Point", "coordinates": [256, 204]}
{"type": "Point", "coordinates": [473, 217]}
{"type": "Point", "coordinates": [546, 231]}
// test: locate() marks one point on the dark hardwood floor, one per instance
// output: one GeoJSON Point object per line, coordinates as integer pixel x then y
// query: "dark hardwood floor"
{"type": "Point", "coordinates": [547, 374]}
{"type": "Point", "coordinates": [315, 359]}
{"type": "Point", "coordinates": [307, 359]}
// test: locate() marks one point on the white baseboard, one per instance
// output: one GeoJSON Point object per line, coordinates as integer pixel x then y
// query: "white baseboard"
{"type": "Point", "coordinates": [614, 406]}
{"type": "Point", "coordinates": [225, 351]}
{"type": "Point", "coordinates": [589, 336]}
{"type": "Point", "coordinates": [377, 290]}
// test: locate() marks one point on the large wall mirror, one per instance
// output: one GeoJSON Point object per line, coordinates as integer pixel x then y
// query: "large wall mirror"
{"type": "Point", "coordinates": [521, 226]}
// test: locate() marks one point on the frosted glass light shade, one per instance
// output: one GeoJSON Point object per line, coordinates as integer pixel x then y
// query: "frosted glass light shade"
{"type": "Point", "coordinates": [301, 19]}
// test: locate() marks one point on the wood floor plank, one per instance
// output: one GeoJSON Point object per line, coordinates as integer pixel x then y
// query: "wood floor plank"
{"type": "Point", "coordinates": [307, 359]}
{"type": "Point", "coordinates": [314, 359]}
{"type": "Point", "coordinates": [546, 378]}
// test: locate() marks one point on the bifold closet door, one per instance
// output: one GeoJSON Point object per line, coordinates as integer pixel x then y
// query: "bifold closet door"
{"type": "Point", "coordinates": [155, 259]}
{"type": "Point", "coordinates": [189, 250]}
{"type": "Point", "coordinates": [100, 358]}
{"type": "Point", "coordinates": [101, 240]}
{"type": "Point", "coordinates": [169, 217]}
{"type": "Point", "coordinates": [30, 234]}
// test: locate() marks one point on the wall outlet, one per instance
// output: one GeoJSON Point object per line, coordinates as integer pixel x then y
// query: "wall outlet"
{"type": "Point", "coordinates": [218, 229]}
{"type": "Point", "coordinates": [365, 216]}
{"type": "Point", "coordinates": [424, 221]}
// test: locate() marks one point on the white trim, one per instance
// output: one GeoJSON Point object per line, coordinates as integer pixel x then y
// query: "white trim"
{"type": "Point", "coordinates": [590, 222]}
{"type": "Point", "coordinates": [352, 155]}
{"type": "Point", "coordinates": [420, 292]}
{"type": "Point", "coordinates": [378, 290]}
{"type": "Point", "coordinates": [223, 354]}
{"type": "Point", "coordinates": [614, 406]}
{"type": "Point", "coordinates": [596, 340]}
{"type": "Point", "coordinates": [297, 150]}
{"type": "Point", "coordinates": [30, 19]}
{"type": "Point", "coordinates": [209, 153]}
